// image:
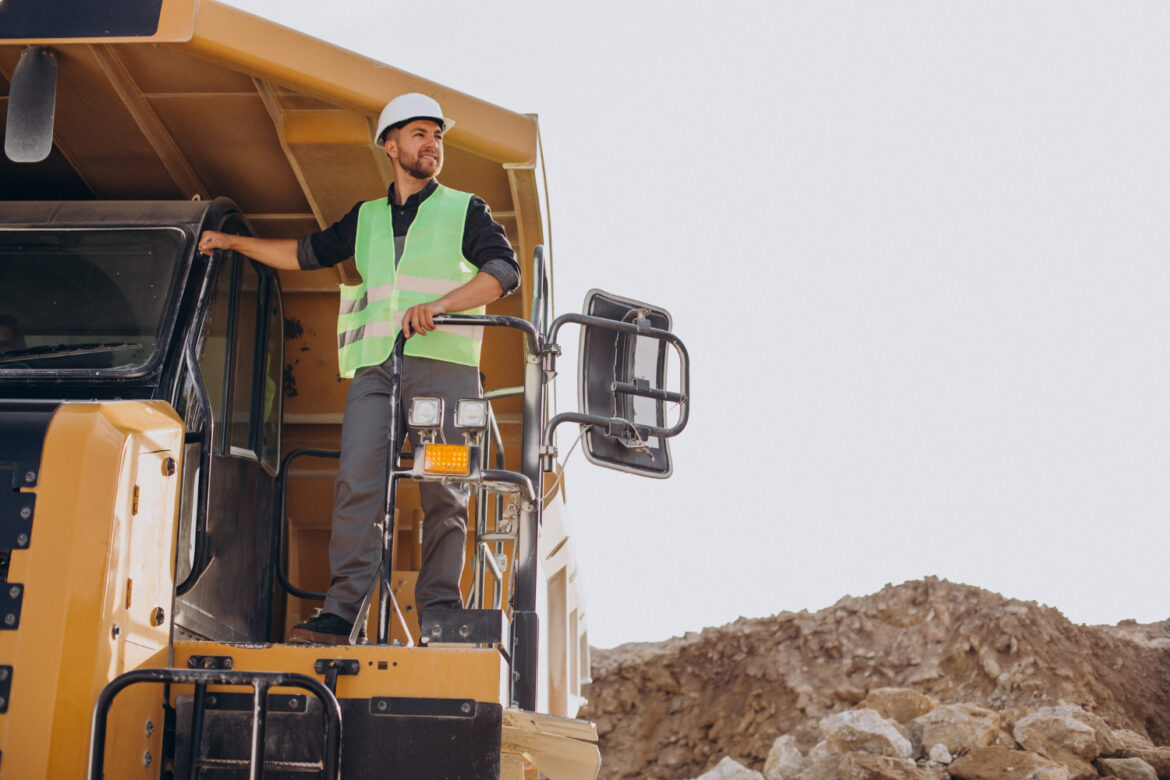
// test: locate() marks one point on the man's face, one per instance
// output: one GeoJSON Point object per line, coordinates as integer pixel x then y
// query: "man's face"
{"type": "Point", "coordinates": [8, 339]}
{"type": "Point", "coordinates": [417, 148]}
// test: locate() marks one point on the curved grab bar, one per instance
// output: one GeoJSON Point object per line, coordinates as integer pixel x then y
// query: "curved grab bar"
{"type": "Point", "coordinates": [201, 554]}
{"type": "Point", "coordinates": [495, 320]}
{"type": "Point", "coordinates": [282, 521]}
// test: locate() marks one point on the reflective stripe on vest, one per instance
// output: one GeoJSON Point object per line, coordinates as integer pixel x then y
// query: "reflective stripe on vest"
{"type": "Point", "coordinates": [370, 314]}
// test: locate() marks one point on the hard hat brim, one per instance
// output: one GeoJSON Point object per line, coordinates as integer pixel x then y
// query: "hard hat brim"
{"type": "Point", "coordinates": [408, 108]}
{"type": "Point", "coordinates": [443, 122]}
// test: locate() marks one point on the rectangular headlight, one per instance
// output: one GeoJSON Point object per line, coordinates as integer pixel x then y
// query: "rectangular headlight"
{"type": "Point", "coordinates": [425, 413]}
{"type": "Point", "coordinates": [471, 413]}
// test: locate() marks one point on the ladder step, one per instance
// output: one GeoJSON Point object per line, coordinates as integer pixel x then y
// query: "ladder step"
{"type": "Point", "coordinates": [213, 764]}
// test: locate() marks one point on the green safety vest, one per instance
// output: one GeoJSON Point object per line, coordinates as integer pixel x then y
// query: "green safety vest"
{"type": "Point", "coordinates": [432, 265]}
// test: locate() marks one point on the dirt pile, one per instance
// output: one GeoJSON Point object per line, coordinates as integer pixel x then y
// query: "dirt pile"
{"type": "Point", "coordinates": [676, 708]}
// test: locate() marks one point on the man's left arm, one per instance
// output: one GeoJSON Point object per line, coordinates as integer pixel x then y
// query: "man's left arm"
{"type": "Point", "coordinates": [480, 291]}
{"type": "Point", "coordinates": [486, 246]}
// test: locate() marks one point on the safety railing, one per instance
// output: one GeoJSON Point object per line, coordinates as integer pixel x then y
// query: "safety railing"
{"type": "Point", "coordinates": [201, 553]}
{"type": "Point", "coordinates": [487, 558]}
{"type": "Point", "coordinates": [493, 449]}
{"type": "Point", "coordinates": [282, 523]}
{"type": "Point", "coordinates": [329, 767]}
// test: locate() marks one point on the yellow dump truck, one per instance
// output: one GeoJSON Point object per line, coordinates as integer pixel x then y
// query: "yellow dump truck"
{"type": "Point", "coordinates": [169, 422]}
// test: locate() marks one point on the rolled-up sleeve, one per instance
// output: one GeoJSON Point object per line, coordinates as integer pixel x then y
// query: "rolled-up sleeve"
{"type": "Point", "coordinates": [306, 257]}
{"type": "Point", "coordinates": [506, 272]}
{"type": "Point", "coordinates": [331, 246]}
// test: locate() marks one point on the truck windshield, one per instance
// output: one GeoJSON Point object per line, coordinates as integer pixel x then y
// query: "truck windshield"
{"type": "Point", "coordinates": [84, 299]}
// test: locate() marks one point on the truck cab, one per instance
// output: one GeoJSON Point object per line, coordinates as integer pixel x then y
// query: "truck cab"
{"type": "Point", "coordinates": [110, 301]}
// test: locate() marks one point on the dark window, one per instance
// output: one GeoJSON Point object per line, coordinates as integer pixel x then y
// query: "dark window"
{"type": "Point", "coordinates": [213, 358]}
{"type": "Point", "coordinates": [244, 355]}
{"type": "Point", "coordinates": [238, 335]}
{"type": "Point", "coordinates": [85, 299]}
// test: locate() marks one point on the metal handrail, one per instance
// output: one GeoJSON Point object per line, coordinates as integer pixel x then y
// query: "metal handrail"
{"type": "Point", "coordinates": [490, 561]}
{"type": "Point", "coordinates": [540, 289]}
{"type": "Point", "coordinates": [528, 482]}
{"type": "Point", "coordinates": [201, 553]}
{"type": "Point", "coordinates": [481, 508]}
{"type": "Point", "coordinates": [496, 320]}
{"type": "Point", "coordinates": [282, 479]}
{"type": "Point", "coordinates": [260, 682]}
{"type": "Point", "coordinates": [523, 483]}
{"type": "Point", "coordinates": [504, 392]}
{"type": "Point", "coordinates": [495, 441]}
{"type": "Point", "coordinates": [396, 436]}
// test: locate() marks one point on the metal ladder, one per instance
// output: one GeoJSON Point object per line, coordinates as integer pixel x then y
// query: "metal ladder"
{"type": "Point", "coordinates": [329, 768]}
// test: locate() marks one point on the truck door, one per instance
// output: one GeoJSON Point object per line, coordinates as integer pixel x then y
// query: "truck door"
{"type": "Point", "coordinates": [241, 365]}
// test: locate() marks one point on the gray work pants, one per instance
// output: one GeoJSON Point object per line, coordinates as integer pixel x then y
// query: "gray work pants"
{"type": "Point", "coordinates": [355, 547]}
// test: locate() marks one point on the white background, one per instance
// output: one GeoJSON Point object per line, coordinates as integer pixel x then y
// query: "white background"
{"type": "Point", "coordinates": [918, 252]}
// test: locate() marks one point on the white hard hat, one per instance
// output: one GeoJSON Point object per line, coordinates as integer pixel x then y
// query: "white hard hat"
{"type": "Point", "coordinates": [410, 106]}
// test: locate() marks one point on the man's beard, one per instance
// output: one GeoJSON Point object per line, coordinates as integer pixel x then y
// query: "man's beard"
{"type": "Point", "coordinates": [415, 167]}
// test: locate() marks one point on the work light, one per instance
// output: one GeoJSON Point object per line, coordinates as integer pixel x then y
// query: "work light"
{"type": "Point", "coordinates": [425, 413]}
{"type": "Point", "coordinates": [471, 414]}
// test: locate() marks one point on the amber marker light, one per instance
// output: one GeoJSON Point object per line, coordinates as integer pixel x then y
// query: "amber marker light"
{"type": "Point", "coordinates": [446, 459]}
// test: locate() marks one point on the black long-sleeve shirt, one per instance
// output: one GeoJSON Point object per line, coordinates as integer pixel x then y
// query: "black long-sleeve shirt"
{"type": "Point", "coordinates": [485, 244]}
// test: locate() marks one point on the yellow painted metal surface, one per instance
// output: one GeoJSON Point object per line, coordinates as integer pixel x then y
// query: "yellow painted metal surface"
{"type": "Point", "coordinates": [98, 580]}
{"type": "Point", "coordinates": [416, 672]}
{"type": "Point", "coordinates": [269, 51]}
{"type": "Point", "coordinates": [134, 736]}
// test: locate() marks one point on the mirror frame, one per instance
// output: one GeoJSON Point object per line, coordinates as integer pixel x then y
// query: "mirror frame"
{"type": "Point", "coordinates": [607, 357]}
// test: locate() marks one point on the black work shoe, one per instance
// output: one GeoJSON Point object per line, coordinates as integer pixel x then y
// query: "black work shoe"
{"type": "Point", "coordinates": [325, 629]}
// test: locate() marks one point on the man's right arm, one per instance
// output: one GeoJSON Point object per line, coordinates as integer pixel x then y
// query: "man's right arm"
{"type": "Point", "coordinates": [280, 253]}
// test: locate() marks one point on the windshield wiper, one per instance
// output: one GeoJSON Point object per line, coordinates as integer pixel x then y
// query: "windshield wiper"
{"type": "Point", "coordinates": [64, 350]}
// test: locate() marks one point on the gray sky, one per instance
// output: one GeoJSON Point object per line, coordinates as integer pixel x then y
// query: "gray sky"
{"type": "Point", "coordinates": [918, 253]}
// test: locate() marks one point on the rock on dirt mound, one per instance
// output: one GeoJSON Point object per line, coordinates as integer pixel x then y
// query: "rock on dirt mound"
{"type": "Point", "coordinates": [676, 709]}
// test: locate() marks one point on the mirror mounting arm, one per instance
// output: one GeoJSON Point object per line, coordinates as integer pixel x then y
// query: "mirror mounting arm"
{"type": "Point", "coordinates": [613, 426]}
{"type": "Point", "coordinates": [549, 361]}
{"type": "Point", "coordinates": [548, 458]}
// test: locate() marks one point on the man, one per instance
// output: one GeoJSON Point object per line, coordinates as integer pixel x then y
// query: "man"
{"type": "Point", "coordinates": [423, 250]}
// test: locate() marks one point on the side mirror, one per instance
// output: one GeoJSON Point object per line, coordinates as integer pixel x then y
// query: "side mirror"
{"type": "Point", "coordinates": [623, 384]}
{"type": "Point", "coordinates": [32, 103]}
